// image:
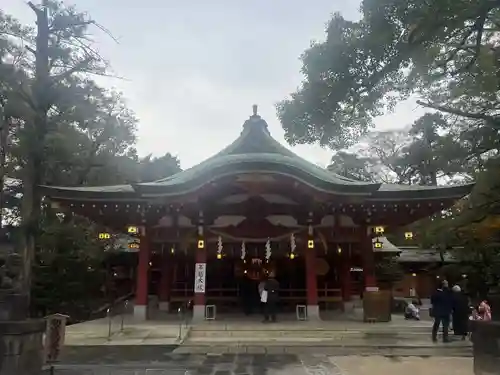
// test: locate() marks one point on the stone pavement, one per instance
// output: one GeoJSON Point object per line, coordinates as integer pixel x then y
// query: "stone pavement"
{"type": "Point", "coordinates": [284, 364]}
{"type": "Point", "coordinates": [278, 364]}
{"type": "Point", "coordinates": [112, 332]}
{"type": "Point", "coordinates": [378, 365]}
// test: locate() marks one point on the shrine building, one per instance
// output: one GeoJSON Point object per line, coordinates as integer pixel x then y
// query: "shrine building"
{"type": "Point", "coordinates": [210, 233]}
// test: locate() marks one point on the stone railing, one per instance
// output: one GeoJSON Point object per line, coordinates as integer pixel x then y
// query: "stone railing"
{"type": "Point", "coordinates": [486, 347]}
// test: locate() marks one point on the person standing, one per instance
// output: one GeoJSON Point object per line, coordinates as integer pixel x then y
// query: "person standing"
{"type": "Point", "coordinates": [260, 287]}
{"type": "Point", "coordinates": [271, 287]}
{"type": "Point", "coordinates": [461, 312]}
{"type": "Point", "coordinates": [442, 307]}
{"type": "Point", "coordinates": [485, 311]}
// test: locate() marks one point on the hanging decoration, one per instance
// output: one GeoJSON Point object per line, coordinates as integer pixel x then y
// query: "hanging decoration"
{"type": "Point", "coordinates": [201, 241]}
{"type": "Point", "coordinates": [379, 230]}
{"type": "Point", "coordinates": [377, 244]}
{"type": "Point", "coordinates": [268, 250]}
{"type": "Point", "coordinates": [408, 235]}
{"type": "Point", "coordinates": [293, 246]}
{"type": "Point", "coordinates": [228, 236]}
{"type": "Point", "coordinates": [310, 234]}
{"type": "Point", "coordinates": [219, 247]}
{"type": "Point", "coordinates": [243, 251]}
{"type": "Point", "coordinates": [104, 236]}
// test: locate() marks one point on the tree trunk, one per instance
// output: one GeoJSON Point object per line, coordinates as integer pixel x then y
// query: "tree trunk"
{"type": "Point", "coordinates": [4, 132]}
{"type": "Point", "coordinates": [35, 140]}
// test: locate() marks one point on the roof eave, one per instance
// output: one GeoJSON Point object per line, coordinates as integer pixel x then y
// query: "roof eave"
{"type": "Point", "coordinates": [438, 193]}
{"type": "Point", "coordinates": [89, 194]}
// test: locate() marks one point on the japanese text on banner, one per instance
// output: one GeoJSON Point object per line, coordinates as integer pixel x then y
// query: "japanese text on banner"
{"type": "Point", "coordinates": [200, 277]}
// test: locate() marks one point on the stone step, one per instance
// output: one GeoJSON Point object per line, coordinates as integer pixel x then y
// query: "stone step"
{"type": "Point", "coordinates": [344, 342]}
{"type": "Point", "coordinates": [287, 335]}
{"type": "Point", "coordinates": [439, 350]}
{"type": "Point", "coordinates": [319, 333]}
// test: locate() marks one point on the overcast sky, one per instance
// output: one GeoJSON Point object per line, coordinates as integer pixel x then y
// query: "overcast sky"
{"type": "Point", "coordinates": [194, 68]}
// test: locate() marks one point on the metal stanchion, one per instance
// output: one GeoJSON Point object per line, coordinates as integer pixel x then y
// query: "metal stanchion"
{"type": "Point", "coordinates": [179, 311]}
{"type": "Point", "coordinates": [108, 313]}
{"type": "Point", "coordinates": [123, 316]}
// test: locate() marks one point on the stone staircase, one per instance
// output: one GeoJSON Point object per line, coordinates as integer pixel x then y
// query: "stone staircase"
{"type": "Point", "coordinates": [335, 338]}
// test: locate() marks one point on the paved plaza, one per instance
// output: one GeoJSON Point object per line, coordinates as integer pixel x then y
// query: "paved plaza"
{"type": "Point", "coordinates": [278, 364]}
{"type": "Point", "coordinates": [250, 348]}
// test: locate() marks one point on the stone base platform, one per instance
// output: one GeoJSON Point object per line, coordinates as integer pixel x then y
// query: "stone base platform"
{"type": "Point", "coordinates": [271, 364]}
{"type": "Point", "coordinates": [332, 338]}
{"type": "Point", "coordinates": [21, 347]}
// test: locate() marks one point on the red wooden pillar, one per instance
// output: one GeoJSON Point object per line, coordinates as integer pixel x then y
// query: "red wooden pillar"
{"type": "Point", "coordinates": [200, 259]}
{"type": "Point", "coordinates": [141, 291]}
{"type": "Point", "coordinates": [311, 275]}
{"type": "Point", "coordinates": [200, 273]}
{"type": "Point", "coordinates": [368, 259]}
{"type": "Point", "coordinates": [165, 282]}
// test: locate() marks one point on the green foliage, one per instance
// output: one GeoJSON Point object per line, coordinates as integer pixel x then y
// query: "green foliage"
{"type": "Point", "coordinates": [420, 155]}
{"type": "Point", "coordinates": [352, 166]}
{"type": "Point", "coordinates": [155, 168]}
{"type": "Point", "coordinates": [68, 275]}
{"type": "Point", "coordinates": [62, 128]}
{"type": "Point", "coordinates": [397, 48]}
{"type": "Point", "coordinates": [388, 270]}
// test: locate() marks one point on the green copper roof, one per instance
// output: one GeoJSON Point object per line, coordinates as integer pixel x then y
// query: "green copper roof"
{"type": "Point", "coordinates": [255, 151]}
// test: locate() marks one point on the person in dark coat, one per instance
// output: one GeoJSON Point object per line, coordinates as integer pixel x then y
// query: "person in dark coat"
{"type": "Point", "coordinates": [247, 294]}
{"type": "Point", "coordinates": [442, 307]}
{"type": "Point", "coordinates": [271, 286]}
{"type": "Point", "coordinates": [461, 312]}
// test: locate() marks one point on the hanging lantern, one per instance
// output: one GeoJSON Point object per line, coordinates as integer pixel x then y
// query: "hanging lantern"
{"type": "Point", "coordinates": [292, 256]}
{"type": "Point", "coordinates": [268, 250]}
{"type": "Point", "coordinates": [339, 250]}
{"type": "Point", "coordinates": [378, 245]}
{"type": "Point", "coordinates": [243, 251]}
{"type": "Point", "coordinates": [408, 235]}
{"type": "Point", "coordinates": [133, 245]}
{"type": "Point", "coordinates": [310, 244]}
{"type": "Point", "coordinates": [132, 230]}
{"type": "Point", "coordinates": [379, 230]}
{"type": "Point", "coordinates": [104, 236]}
{"type": "Point", "coordinates": [201, 244]}
{"type": "Point", "coordinates": [172, 250]}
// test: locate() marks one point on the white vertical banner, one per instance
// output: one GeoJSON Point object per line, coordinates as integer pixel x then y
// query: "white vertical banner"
{"type": "Point", "coordinates": [200, 276]}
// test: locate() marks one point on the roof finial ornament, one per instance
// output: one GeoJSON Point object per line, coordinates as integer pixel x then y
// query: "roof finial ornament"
{"type": "Point", "coordinates": [254, 108]}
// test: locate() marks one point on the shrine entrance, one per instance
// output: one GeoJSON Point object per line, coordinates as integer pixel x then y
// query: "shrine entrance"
{"type": "Point", "coordinates": [233, 279]}
{"type": "Point", "coordinates": [233, 276]}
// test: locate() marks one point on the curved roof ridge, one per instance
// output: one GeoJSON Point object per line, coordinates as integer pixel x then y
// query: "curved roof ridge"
{"type": "Point", "coordinates": [255, 139]}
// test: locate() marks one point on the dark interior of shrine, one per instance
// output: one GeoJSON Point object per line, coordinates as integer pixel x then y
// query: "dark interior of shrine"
{"type": "Point", "coordinates": [232, 282]}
